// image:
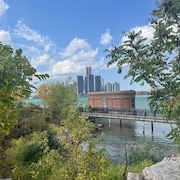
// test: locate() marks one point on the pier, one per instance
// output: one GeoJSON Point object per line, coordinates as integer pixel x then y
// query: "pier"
{"type": "Point", "coordinates": [136, 115]}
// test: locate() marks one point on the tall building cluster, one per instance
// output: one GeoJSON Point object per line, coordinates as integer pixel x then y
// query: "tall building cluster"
{"type": "Point", "coordinates": [91, 83]}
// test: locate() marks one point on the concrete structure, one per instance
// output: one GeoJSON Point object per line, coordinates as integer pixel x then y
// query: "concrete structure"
{"type": "Point", "coordinates": [116, 100]}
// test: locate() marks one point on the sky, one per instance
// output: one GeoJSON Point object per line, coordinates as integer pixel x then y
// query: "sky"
{"type": "Point", "coordinates": [63, 37]}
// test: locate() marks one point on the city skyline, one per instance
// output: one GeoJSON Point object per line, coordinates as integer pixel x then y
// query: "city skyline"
{"type": "Point", "coordinates": [94, 83]}
{"type": "Point", "coordinates": [61, 38]}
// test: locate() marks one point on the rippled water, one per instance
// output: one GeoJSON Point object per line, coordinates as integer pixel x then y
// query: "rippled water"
{"type": "Point", "coordinates": [131, 134]}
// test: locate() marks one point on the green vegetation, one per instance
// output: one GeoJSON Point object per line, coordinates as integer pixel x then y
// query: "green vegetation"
{"type": "Point", "coordinates": [156, 62]}
{"type": "Point", "coordinates": [16, 73]}
{"type": "Point", "coordinates": [48, 143]}
{"type": "Point", "coordinates": [59, 98]}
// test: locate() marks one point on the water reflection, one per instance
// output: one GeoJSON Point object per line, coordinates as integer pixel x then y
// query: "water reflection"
{"type": "Point", "coordinates": [131, 134]}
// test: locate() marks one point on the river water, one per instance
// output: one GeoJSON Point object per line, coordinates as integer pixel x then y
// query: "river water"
{"type": "Point", "coordinates": [131, 134]}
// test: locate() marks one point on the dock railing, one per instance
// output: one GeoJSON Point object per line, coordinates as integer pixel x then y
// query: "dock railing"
{"type": "Point", "coordinates": [126, 114]}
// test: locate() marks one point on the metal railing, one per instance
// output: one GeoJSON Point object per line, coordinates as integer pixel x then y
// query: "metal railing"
{"type": "Point", "coordinates": [128, 114]}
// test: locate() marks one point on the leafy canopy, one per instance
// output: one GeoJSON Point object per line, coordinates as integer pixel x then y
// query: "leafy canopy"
{"type": "Point", "coordinates": [156, 62]}
{"type": "Point", "coordinates": [59, 98]}
{"type": "Point", "coordinates": [16, 75]}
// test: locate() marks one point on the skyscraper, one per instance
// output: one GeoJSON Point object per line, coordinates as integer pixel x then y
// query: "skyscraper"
{"type": "Point", "coordinates": [88, 84]}
{"type": "Point", "coordinates": [91, 83]}
{"type": "Point", "coordinates": [116, 86]}
{"type": "Point", "coordinates": [80, 85]}
{"type": "Point", "coordinates": [97, 83]}
{"type": "Point", "coordinates": [108, 87]}
{"type": "Point", "coordinates": [85, 85]}
{"type": "Point", "coordinates": [88, 71]}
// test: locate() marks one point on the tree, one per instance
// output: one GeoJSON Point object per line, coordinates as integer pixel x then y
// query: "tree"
{"type": "Point", "coordinates": [16, 75]}
{"type": "Point", "coordinates": [58, 97]}
{"type": "Point", "coordinates": [157, 62]}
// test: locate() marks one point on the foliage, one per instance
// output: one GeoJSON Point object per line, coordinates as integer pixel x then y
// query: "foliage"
{"type": "Point", "coordinates": [27, 153]}
{"type": "Point", "coordinates": [58, 152]}
{"type": "Point", "coordinates": [16, 73]}
{"type": "Point", "coordinates": [115, 172]}
{"type": "Point", "coordinates": [59, 97]}
{"type": "Point", "coordinates": [8, 117]}
{"type": "Point", "coordinates": [137, 168]}
{"type": "Point", "coordinates": [65, 152]}
{"type": "Point", "coordinates": [31, 118]}
{"type": "Point", "coordinates": [137, 154]}
{"type": "Point", "coordinates": [94, 164]}
{"type": "Point", "coordinates": [81, 164]}
{"type": "Point", "coordinates": [48, 167]}
{"type": "Point", "coordinates": [156, 62]}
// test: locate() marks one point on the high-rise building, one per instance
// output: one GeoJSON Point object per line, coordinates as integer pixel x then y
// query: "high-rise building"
{"type": "Point", "coordinates": [85, 85]}
{"type": "Point", "coordinates": [80, 85]}
{"type": "Point", "coordinates": [88, 71]}
{"type": "Point", "coordinates": [91, 83]}
{"type": "Point", "coordinates": [102, 85]}
{"type": "Point", "coordinates": [87, 81]}
{"type": "Point", "coordinates": [116, 86]}
{"type": "Point", "coordinates": [109, 87]}
{"type": "Point", "coordinates": [97, 83]}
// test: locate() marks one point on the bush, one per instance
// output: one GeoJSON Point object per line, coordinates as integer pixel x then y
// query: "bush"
{"type": "Point", "coordinates": [33, 153]}
{"type": "Point", "coordinates": [138, 154]}
{"type": "Point", "coordinates": [115, 172]}
{"type": "Point", "coordinates": [140, 166]}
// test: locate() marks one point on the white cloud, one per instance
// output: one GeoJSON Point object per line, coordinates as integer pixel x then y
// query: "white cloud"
{"type": "Point", "coordinates": [5, 37]}
{"type": "Point", "coordinates": [3, 8]}
{"type": "Point", "coordinates": [147, 32]}
{"type": "Point", "coordinates": [25, 32]}
{"type": "Point", "coordinates": [41, 52]}
{"type": "Point", "coordinates": [106, 38]}
{"type": "Point", "coordinates": [76, 57]}
{"type": "Point", "coordinates": [72, 60]}
{"type": "Point", "coordinates": [41, 60]}
{"type": "Point", "coordinates": [75, 45]}
{"type": "Point", "coordinates": [39, 49]}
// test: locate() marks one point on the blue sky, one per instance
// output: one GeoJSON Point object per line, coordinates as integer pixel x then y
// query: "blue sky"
{"type": "Point", "coordinates": [62, 37]}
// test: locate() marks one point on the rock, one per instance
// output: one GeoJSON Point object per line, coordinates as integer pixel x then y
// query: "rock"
{"type": "Point", "coordinates": [134, 176]}
{"type": "Point", "coordinates": [99, 126]}
{"type": "Point", "coordinates": [167, 169]}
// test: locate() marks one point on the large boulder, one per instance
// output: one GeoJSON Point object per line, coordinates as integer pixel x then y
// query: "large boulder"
{"type": "Point", "coordinates": [167, 169]}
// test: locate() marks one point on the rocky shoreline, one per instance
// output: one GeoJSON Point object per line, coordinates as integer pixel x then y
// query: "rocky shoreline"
{"type": "Point", "coordinates": [167, 169]}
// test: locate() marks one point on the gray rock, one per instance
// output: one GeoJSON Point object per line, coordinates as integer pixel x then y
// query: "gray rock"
{"type": "Point", "coordinates": [167, 169]}
{"type": "Point", "coordinates": [134, 176]}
